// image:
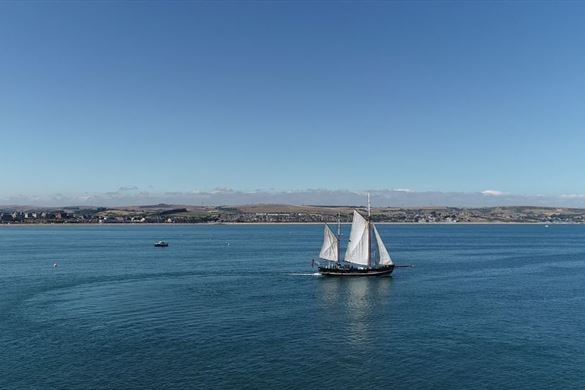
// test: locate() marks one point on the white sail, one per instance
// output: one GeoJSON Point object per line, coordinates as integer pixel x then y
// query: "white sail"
{"type": "Point", "coordinates": [384, 256]}
{"type": "Point", "coordinates": [358, 246]}
{"type": "Point", "coordinates": [329, 249]}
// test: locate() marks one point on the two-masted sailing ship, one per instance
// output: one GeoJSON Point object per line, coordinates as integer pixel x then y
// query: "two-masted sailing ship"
{"type": "Point", "coordinates": [364, 256]}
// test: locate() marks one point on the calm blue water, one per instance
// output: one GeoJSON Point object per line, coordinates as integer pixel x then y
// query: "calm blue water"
{"type": "Point", "coordinates": [488, 306]}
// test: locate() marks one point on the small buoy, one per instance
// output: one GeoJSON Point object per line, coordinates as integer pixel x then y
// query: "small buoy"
{"type": "Point", "coordinates": [228, 244]}
{"type": "Point", "coordinates": [55, 265]}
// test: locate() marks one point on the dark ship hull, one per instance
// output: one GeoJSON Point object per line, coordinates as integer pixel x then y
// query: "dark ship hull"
{"type": "Point", "coordinates": [342, 271]}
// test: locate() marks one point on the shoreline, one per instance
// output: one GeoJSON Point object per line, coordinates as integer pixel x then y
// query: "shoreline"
{"type": "Point", "coordinates": [8, 225]}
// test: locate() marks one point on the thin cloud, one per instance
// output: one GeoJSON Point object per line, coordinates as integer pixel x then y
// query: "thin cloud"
{"type": "Point", "coordinates": [127, 188]}
{"type": "Point", "coordinates": [573, 196]}
{"type": "Point", "coordinates": [493, 193]}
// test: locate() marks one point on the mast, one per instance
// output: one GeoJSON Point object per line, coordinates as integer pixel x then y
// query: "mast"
{"type": "Point", "coordinates": [369, 234]}
{"type": "Point", "coordinates": [339, 238]}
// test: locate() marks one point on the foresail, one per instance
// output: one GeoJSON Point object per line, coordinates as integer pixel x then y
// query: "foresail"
{"type": "Point", "coordinates": [357, 248]}
{"type": "Point", "coordinates": [329, 249]}
{"type": "Point", "coordinates": [384, 256]}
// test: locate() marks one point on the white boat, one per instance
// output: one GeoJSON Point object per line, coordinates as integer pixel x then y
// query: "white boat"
{"type": "Point", "coordinates": [359, 260]}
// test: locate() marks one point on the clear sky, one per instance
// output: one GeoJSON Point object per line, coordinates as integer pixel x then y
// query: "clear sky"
{"type": "Point", "coordinates": [178, 96]}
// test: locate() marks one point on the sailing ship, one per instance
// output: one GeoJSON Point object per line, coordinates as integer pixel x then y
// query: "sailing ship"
{"type": "Point", "coordinates": [359, 260]}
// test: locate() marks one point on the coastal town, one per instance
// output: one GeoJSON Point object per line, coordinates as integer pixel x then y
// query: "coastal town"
{"type": "Point", "coordinates": [164, 213]}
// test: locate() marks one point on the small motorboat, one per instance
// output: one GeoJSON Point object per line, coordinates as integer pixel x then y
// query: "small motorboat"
{"type": "Point", "coordinates": [161, 244]}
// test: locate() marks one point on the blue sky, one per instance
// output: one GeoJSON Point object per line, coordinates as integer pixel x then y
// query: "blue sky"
{"type": "Point", "coordinates": [179, 96]}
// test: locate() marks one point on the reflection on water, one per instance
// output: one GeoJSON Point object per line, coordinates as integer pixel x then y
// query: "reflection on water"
{"type": "Point", "coordinates": [329, 290]}
{"type": "Point", "coordinates": [357, 300]}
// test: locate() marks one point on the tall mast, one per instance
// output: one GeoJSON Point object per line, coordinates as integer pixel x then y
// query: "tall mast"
{"type": "Point", "coordinates": [369, 234]}
{"type": "Point", "coordinates": [338, 239]}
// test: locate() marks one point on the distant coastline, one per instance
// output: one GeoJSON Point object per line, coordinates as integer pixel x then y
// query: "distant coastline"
{"type": "Point", "coordinates": [163, 214]}
{"type": "Point", "coordinates": [127, 224]}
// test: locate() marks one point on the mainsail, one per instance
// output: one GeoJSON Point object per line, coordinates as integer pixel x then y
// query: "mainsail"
{"type": "Point", "coordinates": [384, 256]}
{"type": "Point", "coordinates": [359, 241]}
{"type": "Point", "coordinates": [329, 249]}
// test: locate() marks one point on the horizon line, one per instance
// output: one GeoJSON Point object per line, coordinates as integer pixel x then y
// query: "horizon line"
{"type": "Point", "coordinates": [400, 198]}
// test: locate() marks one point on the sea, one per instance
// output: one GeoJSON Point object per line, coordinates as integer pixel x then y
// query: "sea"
{"type": "Point", "coordinates": [240, 307]}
